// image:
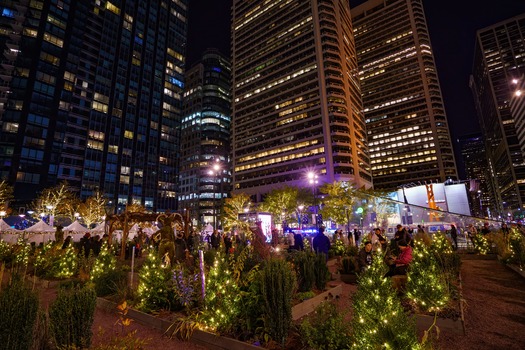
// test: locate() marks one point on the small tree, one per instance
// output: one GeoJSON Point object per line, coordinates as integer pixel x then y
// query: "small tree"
{"type": "Point", "coordinates": [6, 194]}
{"type": "Point", "coordinates": [282, 202]}
{"type": "Point", "coordinates": [59, 201]}
{"type": "Point", "coordinates": [234, 206]}
{"type": "Point", "coordinates": [339, 201]}
{"type": "Point", "coordinates": [426, 286]}
{"type": "Point", "coordinates": [379, 320]}
{"type": "Point", "coordinates": [93, 209]}
{"type": "Point", "coordinates": [153, 289]}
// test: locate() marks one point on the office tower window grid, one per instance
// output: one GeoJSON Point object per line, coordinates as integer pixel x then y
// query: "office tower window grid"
{"type": "Point", "coordinates": [407, 128]}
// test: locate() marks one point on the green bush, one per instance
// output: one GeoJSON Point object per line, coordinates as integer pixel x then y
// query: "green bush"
{"type": "Point", "coordinates": [71, 317]}
{"type": "Point", "coordinates": [153, 290]}
{"type": "Point", "coordinates": [337, 249]}
{"type": "Point", "coordinates": [278, 284]}
{"type": "Point", "coordinates": [321, 272]}
{"type": "Point", "coordinates": [6, 253]}
{"type": "Point", "coordinates": [326, 329]}
{"type": "Point", "coordinates": [304, 264]}
{"type": "Point", "coordinates": [347, 265]}
{"type": "Point", "coordinates": [104, 274]}
{"type": "Point", "coordinates": [18, 313]}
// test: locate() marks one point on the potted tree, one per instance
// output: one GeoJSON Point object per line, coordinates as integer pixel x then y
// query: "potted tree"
{"type": "Point", "coordinates": [347, 270]}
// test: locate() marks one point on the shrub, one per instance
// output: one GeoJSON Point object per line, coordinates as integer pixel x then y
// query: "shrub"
{"type": "Point", "coordinates": [326, 328]}
{"type": "Point", "coordinates": [71, 317]}
{"type": "Point", "coordinates": [426, 284]}
{"type": "Point", "coordinates": [153, 290]}
{"type": "Point", "coordinates": [337, 249]}
{"type": "Point", "coordinates": [379, 321]}
{"type": "Point", "coordinates": [105, 275]}
{"type": "Point", "coordinates": [322, 274]}
{"type": "Point", "coordinates": [18, 313]}
{"type": "Point", "coordinates": [6, 253]}
{"type": "Point", "coordinates": [304, 264]}
{"type": "Point", "coordinates": [347, 265]}
{"type": "Point", "coordinates": [278, 284]}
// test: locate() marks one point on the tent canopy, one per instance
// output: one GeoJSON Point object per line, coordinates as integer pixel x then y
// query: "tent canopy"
{"type": "Point", "coordinates": [40, 226]}
{"type": "Point", "coordinates": [75, 227]}
{"type": "Point", "coordinates": [4, 227]}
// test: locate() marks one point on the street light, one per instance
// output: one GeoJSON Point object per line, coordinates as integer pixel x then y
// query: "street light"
{"type": "Point", "coordinates": [313, 180]}
{"type": "Point", "coordinates": [300, 216]}
{"type": "Point", "coordinates": [216, 171]}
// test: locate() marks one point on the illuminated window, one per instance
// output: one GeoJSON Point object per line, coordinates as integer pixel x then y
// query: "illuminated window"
{"type": "Point", "coordinates": [112, 8]}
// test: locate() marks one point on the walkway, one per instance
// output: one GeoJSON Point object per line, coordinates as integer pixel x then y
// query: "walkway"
{"type": "Point", "coordinates": [494, 309]}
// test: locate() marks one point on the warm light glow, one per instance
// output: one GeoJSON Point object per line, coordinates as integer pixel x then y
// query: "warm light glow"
{"type": "Point", "coordinates": [518, 93]}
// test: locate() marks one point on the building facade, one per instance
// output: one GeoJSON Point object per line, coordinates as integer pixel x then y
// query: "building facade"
{"type": "Point", "coordinates": [408, 134]}
{"type": "Point", "coordinates": [482, 187]}
{"type": "Point", "coordinates": [205, 174]}
{"type": "Point", "coordinates": [91, 93]}
{"type": "Point", "coordinates": [296, 98]}
{"type": "Point", "coordinates": [499, 60]}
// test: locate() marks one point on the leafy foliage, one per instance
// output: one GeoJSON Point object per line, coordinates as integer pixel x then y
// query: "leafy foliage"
{"type": "Point", "coordinates": [322, 274]}
{"type": "Point", "coordinates": [71, 317]}
{"type": "Point", "coordinates": [304, 266]}
{"type": "Point", "coordinates": [59, 201]}
{"type": "Point", "coordinates": [326, 328]}
{"type": "Point", "coordinates": [105, 275]}
{"type": "Point", "coordinates": [153, 290]}
{"type": "Point", "coordinates": [426, 285]}
{"type": "Point", "coordinates": [232, 208]}
{"type": "Point", "coordinates": [339, 200]}
{"type": "Point", "coordinates": [6, 194]}
{"type": "Point", "coordinates": [278, 284]}
{"type": "Point", "coordinates": [282, 202]}
{"type": "Point", "coordinates": [379, 320]}
{"type": "Point", "coordinates": [18, 313]}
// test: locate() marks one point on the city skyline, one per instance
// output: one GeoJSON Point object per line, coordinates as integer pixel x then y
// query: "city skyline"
{"type": "Point", "coordinates": [452, 26]}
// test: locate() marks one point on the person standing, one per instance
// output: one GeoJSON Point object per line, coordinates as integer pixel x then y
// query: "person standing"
{"type": "Point", "coordinates": [454, 236]}
{"type": "Point", "coordinates": [357, 236]}
{"type": "Point", "coordinates": [321, 243]}
{"type": "Point", "coordinates": [215, 240]}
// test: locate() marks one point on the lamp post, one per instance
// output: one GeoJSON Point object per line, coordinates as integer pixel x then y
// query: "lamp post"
{"type": "Point", "coordinates": [300, 216]}
{"type": "Point", "coordinates": [313, 180]}
{"type": "Point", "coordinates": [216, 171]}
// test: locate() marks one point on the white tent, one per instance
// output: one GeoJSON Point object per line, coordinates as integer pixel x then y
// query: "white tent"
{"type": "Point", "coordinates": [208, 228]}
{"type": "Point", "coordinates": [40, 227]}
{"type": "Point", "coordinates": [100, 228]}
{"type": "Point", "coordinates": [4, 227]}
{"type": "Point", "coordinates": [75, 227]}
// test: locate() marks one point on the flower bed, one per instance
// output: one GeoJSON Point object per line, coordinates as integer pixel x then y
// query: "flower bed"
{"type": "Point", "coordinates": [213, 341]}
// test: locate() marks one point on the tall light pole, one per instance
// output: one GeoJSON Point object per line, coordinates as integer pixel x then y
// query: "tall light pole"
{"type": "Point", "coordinates": [313, 180]}
{"type": "Point", "coordinates": [300, 216]}
{"type": "Point", "coordinates": [216, 171]}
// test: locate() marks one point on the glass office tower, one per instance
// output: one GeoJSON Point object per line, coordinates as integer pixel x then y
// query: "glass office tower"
{"type": "Point", "coordinates": [408, 134]}
{"type": "Point", "coordinates": [91, 93]}
{"type": "Point", "coordinates": [296, 98]}
{"type": "Point", "coordinates": [205, 173]}
{"type": "Point", "coordinates": [499, 64]}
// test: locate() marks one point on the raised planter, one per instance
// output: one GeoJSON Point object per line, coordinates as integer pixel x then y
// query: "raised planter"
{"type": "Point", "coordinates": [348, 278]}
{"type": "Point", "coordinates": [516, 269]}
{"type": "Point", "coordinates": [309, 305]}
{"type": "Point", "coordinates": [208, 340]}
{"type": "Point", "coordinates": [457, 326]}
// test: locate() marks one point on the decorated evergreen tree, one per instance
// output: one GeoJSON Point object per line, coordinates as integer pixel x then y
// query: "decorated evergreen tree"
{"type": "Point", "coordinates": [481, 244]}
{"type": "Point", "coordinates": [153, 289]}
{"type": "Point", "coordinates": [105, 263]}
{"type": "Point", "coordinates": [222, 299]}
{"type": "Point", "coordinates": [426, 285]}
{"type": "Point", "coordinates": [67, 263]}
{"type": "Point", "coordinates": [379, 320]}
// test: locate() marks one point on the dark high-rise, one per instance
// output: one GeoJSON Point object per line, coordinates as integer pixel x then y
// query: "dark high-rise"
{"type": "Point", "coordinates": [91, 93]}
{"type": "Point", "coordinates": [408, 134]}
{"type": "Point", "coordinates": [205, 138]}
{"type": "Point", "coordinates": [477, 169]}
{"type": "Point", "coordinates": [499, 63]}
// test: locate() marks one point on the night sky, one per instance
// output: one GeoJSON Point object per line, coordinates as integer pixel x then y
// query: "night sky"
{"type": "Point", "coordinates": [452, 25]}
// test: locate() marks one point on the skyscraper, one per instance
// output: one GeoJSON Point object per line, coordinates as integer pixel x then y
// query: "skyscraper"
{"type": "Point", "coordinates": [205, 174]}
{"type": "Point", "coordinates": [91, 93]}
{"type": "Point", "coordinates": [408, 135]}
{"type": "Point", "coordinates": [296, 98]}
{"type": "Point", "coordinates": [499, 62]}
{"type": "Point", "coordinates": [482, 186]}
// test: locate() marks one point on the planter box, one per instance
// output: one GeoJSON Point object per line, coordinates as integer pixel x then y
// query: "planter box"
{"type": "Point", "coordinates": [516, 269]}
{"type": "Point", "coordinates": [309, 305]}
{"type": "Point", "coordinates": [475, 256]}
{"type": "Point", "coordinates": [348, 278]}
{"type": "Point", "coordinates": [45, 284]}
{"type": "Point", "coordinates": [208, 340]}
{"type": "Point", "coordinates": [456, 326]}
